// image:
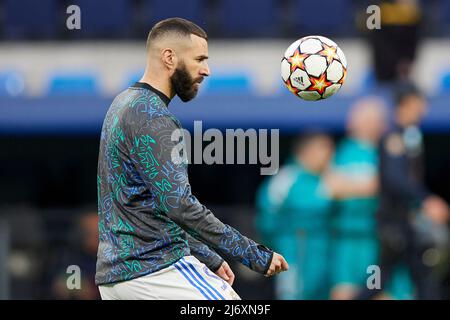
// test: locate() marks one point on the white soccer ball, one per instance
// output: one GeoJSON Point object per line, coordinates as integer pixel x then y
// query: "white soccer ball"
{"type": "Point", "coordinates": [313, 68]}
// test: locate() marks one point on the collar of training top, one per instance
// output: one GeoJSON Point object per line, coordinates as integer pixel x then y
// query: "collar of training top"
{"type": "Point", "coordinates": [144, 85]}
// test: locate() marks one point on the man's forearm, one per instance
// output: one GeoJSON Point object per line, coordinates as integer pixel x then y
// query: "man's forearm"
{"type": "Point", "coordinates": [223, 238]}
{"type": "Point", "coordinates": [172, 196]}
{"type": "Point", "coordinates": [203, 253]}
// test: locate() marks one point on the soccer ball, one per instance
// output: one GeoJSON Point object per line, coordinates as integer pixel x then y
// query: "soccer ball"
{"type": "Point", "coordinates": [313, 68]}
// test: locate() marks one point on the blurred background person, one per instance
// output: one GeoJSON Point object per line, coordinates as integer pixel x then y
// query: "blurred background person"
{"type": "Point", "coordinates": [81, 252]}
{"type": "Point", "coordinates": [353, 181]}
{"type": "Point", "coordinates": [405, 202]}
{"type": "Point", "coordinates": [293, 216]}
{"type": "Point", "coordinates": [395, 44]}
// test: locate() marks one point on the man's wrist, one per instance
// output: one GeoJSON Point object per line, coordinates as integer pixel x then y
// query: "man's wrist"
{"type": "Point", "coordinates": [216, 264]}
{"type": "Point", "coordinates": [264, 248]}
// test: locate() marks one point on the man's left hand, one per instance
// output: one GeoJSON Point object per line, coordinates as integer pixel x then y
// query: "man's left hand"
{"type": "Point", "coordinates": [225, 273]}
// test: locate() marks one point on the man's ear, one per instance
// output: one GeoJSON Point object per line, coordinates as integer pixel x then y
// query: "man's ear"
{"type": "Point", "coordinates": [169, 59]}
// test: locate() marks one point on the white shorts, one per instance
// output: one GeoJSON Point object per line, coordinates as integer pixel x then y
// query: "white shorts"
{"type": "Point", "coordinates": [187, 279]}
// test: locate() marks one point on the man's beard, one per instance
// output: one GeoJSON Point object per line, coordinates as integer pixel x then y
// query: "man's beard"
{"type": "Point", "coordinates": [183, 83]}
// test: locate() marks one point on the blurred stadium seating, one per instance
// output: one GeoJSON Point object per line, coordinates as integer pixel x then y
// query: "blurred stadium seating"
{"type": "Point", "coordinates": [105, 19]}
{"type": "Point", "coordinates": [311, 18]}
{"type": "Point", "coordinates": [153, 11]}
{"type": "Point", "coordinates": [40, 20]}
{"type": "Point", "coordinates": [257, 21]}
{"type": "Point", "coordinates": [235, 19]}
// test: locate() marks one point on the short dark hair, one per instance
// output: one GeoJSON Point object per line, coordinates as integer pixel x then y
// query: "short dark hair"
{"type": "Point", "coordinates": [175, 25]}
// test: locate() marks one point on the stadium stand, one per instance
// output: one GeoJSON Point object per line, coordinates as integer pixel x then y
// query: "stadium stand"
{"type": "Point", "coordinates": [31, 19]}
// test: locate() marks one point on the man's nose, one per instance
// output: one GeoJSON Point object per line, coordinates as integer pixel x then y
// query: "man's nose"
{"type": "Point", "coordinates": [205, 71]}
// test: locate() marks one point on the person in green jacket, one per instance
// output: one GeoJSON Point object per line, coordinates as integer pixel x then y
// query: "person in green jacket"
{"type": "Point", "coordinates": [293, 210]}
{"type": "Point", "coordinates": [354, 182]}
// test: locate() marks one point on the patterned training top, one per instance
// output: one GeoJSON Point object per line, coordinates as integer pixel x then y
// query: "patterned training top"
{"type": "Point", "coordinates": [148, 217]}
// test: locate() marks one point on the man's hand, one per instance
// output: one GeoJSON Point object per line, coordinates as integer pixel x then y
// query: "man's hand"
{"type": "Point", "coordinates": [277, 265]}
{"type": "Point", "coordinates": [225, 273]}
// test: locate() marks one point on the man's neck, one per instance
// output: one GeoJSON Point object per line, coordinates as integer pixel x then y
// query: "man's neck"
{"type": "Point", "coordinates": [162, 85]}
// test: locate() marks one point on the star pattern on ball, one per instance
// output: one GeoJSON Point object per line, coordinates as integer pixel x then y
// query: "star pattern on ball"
{"type": "Point", "coordinates": [329, 52]}
{"type": "Point", "coordinates": [290, 87]}
{"type": "Point", "coordinates": [319, 84]}
{"type": "Point", "coordinates": [341, 82]}
{"type": "Point", "coordinates": [297, 60]}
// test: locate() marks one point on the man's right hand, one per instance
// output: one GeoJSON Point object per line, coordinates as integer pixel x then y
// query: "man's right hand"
{"type": "Point", "coordinates": [277, 265]}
